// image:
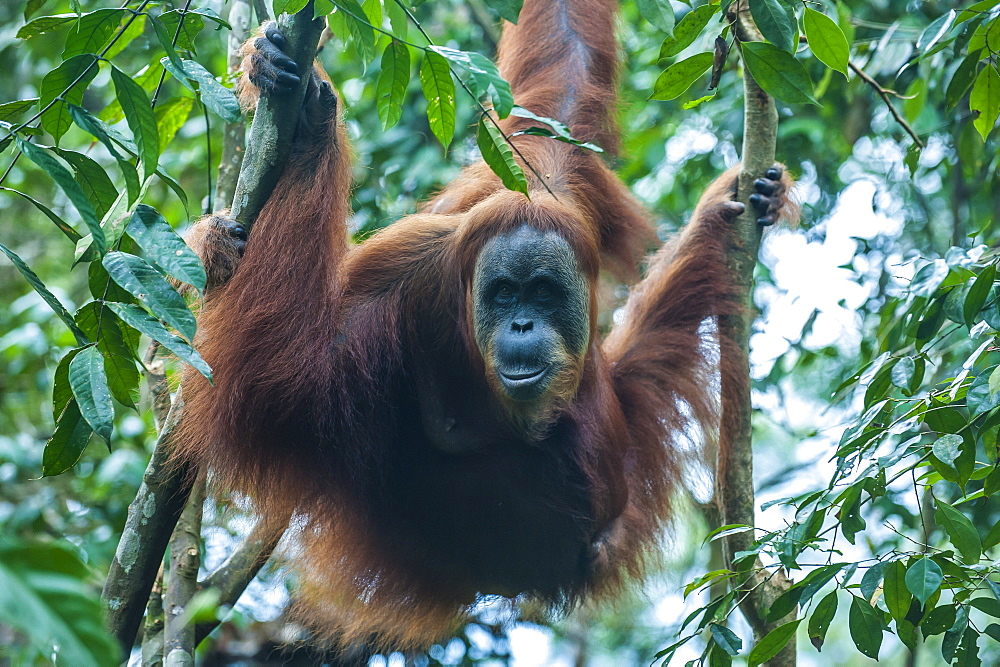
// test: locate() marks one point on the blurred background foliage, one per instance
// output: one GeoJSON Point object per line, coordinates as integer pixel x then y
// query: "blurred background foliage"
{"type": "Point", "coordinates": [847, 152]}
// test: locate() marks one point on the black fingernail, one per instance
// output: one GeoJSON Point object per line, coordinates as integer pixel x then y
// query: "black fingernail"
{"type": "Point", "coordinates": [765, 222]}
{"type": "Point", "coordinates": [773, 173]}
{"type": "Point", "coordinates": [759, 201]}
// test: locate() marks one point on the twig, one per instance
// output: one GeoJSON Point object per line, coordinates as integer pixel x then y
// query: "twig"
{"type": "Point", "coordinates": [884, 94]}
{"type": "Point", "coordinates": [152, 634]}
{"type": "Point", "coordinates": [182, 580]}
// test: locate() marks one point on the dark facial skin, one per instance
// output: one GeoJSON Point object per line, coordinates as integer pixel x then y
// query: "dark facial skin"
{"type": "Point", "coordinates": [531, 309]}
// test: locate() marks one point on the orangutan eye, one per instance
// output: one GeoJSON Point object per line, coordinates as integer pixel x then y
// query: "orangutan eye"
{"type": "Point", "coordinates": [504, 293]}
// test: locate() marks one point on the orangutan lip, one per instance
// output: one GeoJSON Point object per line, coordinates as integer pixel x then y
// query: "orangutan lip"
{"type": "Point", "coordinates": [524, 378]}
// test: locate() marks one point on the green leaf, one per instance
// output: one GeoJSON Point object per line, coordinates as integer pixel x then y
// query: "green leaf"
{"type": "Point", "coordinates": [117, 342]}
{"type": "Point", "coordinates": [993, 631]}
{"type": "Point", "coordinates": [90, 388]}
{"type": "Point", "coordinates": [68, 442]}
{"type": "Point", "coordinates": [11, 110]}
{"type": "Point", "coordinates": [288, 6]}
{"type": "Point", "coordinates": [130, 34]}
{"type": "Point", "coordinates": [821, 618]}
{"type": "Point", "coordinates": [63, 226]}
{"type": "Point", "coordinates": [364, 36]}
{"type": "Point", "coordinates": [687, 30]}
{"type": "Point", "coordinates": [937, 29]}
{"type": "Point", "coordinates": [399, 21]}
{"type": "Point", "coordinates": [93, 31]}
{"type": "Point", "coordinates": [164, 246]}
{"type": "Point", "coordinates": [44, 292]}
{"type": "Point", "coordinates": [677, 78]}
{"type": "Point", "coordinates": [45, 24]}
{"type": "Point", "coordinates": [392, 80]}
{"type": "Point", "coordinates": [139, 319]}
{"type": "Point", "coordinates": [498, 154]}
{"type": "Point", "coordinates": [658, 12]}
{"type": "Point", "coordinates": [150, 287]}
{"type": "Point", "coordinates": [961, 81]}
{"type": "Point", "coordinates": [902, 372]}
{"type": "Point", "coordinates": [726, 638]}
{"type": "Point", "coordinates": [170, 117]}
{"type": "Point", "coordinates": [923, 578]}
{"type": "Point", "coordinates": [960, 530]}
{"type": "Point", "coordinates": [93, 180]}
{"type": "Point", "coordinates": [485, 77]}
{"type": "Point", "coordinates": [979, 399]}
{"type": "Point", "coordinates": [984, 100]}
{"type": "Point", "coordinates": [953, 636]}
{"type": "Point", "coordinates": [189, 30]}
{"type": "Point", "coordinates": [509, 10]}
{"type": "Point", "coordinates": [866, 627]}
{"type": "Point", "coordinates": [772, 643]}
{"type": "Point", "coordinates": [947, 449]}
{"type": "Point", "coordinates": [938, 621]}
{"type": "Point", "coordinates": [439, 89]}
{"type": "Point", "coordinates": [776, 21]}
{"type": "Point", "coordinates": [48, 599]}
{"type": "Point", "coordinates": [897, 596]}
{"type": "Point", "coordinates": [871, 580]}
{"type": "Point", "coordinates": [980, 290]}
{"type": "Point", "coordinates": [111, 139]}
{"type": "Point", "coordinates": [65, 85]}
{"type": "Point", "coordinates": [62, 392]}
{"type": "Point", "coordinates": [559, 131]}
{"type": "Point", "coordinates": [778, 73]}
{"type": "Point", "coordinates": [826, 40]}
{"type": "Point", "coordinates": [987, 605]}
{"type": "Point", "coordinates": [73, 191]}
{"type": "Point", "coordinates": [139, 116]}
{"type": "Point", "coordinates": [220, 100]}
{"type": "Point", "coordinates": [992, 538]}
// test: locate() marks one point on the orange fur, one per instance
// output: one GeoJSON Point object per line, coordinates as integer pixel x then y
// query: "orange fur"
{"type": "Point", "coordinates": [330, 363]}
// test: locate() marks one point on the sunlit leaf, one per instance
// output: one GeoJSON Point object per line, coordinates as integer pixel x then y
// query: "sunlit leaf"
{"type": "Point", "coordinates": [439, 89]}
{"type": "Point", "coordinates": [826, 40]}
{"type": "Point", "coordinates": [923, 578]}
{"type": "Point", "coordinates": [65, 85]}
{"type": "Point", "coordinates": [687, 30]}
{"type": "Point", "coordinates": [984, 99]}
{"type": "Point", "coordinates": [392, 80]}
{"type": "Point", "coordinates": [498, 154]}
{"type": "Point", "coordinates": [658, 12]}
{"type": "Point", "coordinates": [778, 73]}
{"type": "Point", "coordinates": [93, 31]}
{"type": "Point", "coordinates": [678, 77]}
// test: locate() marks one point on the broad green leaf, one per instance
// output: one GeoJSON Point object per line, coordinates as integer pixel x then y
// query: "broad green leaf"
{"type": "Point", "coordinates": [992, 538]}
{"type": "Point", "coordinates": [164, 246]}
{"type": "Point", "coordinates": [117, 343]}
{"type": "Point", "coordinates": [508, 10]}
{"type": "Point", "coordinates": [559, 131]}
{"type": "Point", "coordinates": [189, 29]}
{"type": "Point", "coordinates": [821, 618]}
{"type": "Point", "coordinates": [357, 24]}
{"type": "Point", "coordinates": [167, 43]}
{"type": "Point", "coordinates": [93, 31]}
{"type": "Point", "coordinates": [778, 73]}
{"type": "Point", "coordinates": [63, 226]}
{"type": "Point", "coordinates": [960, 530]}
{"type": "Point", "coordinates": [68, 442]}
{"type": "Point", "coordinates": [923, 578]}
{"type": "Point", "coordinates": [62, 392]}
{"type": "Point", "coordinates": [45, 24]}
{"type": "Point", "coordinates": [219, 99]}
{"type": "Point", "coordinates": [90, 388]}
{"type": "Point", "coordinates": [73, 191]}
{"type": "Point", "coordinates": [980, 290]}
{"type": "Point", "coordinates": [984, 100]}
{"type": "Point", "coordinates": [486, 79]}
{"type": "Point", "coordinates": [726, 638]}
{"type": "Point", "coordinates": [288, 6]}
{"type": "Point", "coordinates": [439, 89]}
{"type": "Point", "coordinates": [498, 154]}
{"type": "Point", "coordinates": [786, 604]}
{"type": "Point", "coordinates": [826, 40]}
{"type": "Point", "coordinates": [989, 606]}
{"type": "Point", "coordinates": [148, 77]}
{"type": "Point", "coordinates": [43, 291]}
{"type": "Point", "coordinates": [687, 30]}
{"type": "Point", "coordinates": [398, 20]}
{"type": "Point", "coordinates": [902, 372]}
{"type": "Point", "coordinates": [948, 448]}
{"type": "Point", "coordinates": [961, 81]}
{"type": "Point", "coordinates": [65, 85]}
{"type": "Point", "coordinates": [866, 627]}
{"type": "Point", "coordinates": [680, 76]}
{"type": "Point", "coordinates": [818, 578]}
{"type": "Point", "coordinates": [111, 139]}
{"type": "Point", "coordinates": [170, 117]}
{"type": "Point", "coordinates": [48, 600]}
{"type": "Point", "coordinates": [151, 288]}
{"type": "Point", "coordinates": [93, 180]}
{"type": "Point", "coordinates": [132, 32]}
{"type": "Point", "coordinates": [392, 80]}
{"type": "Point", "coordinates": [872, 579]}
{"type": "Point", "coordinates": [894, 592]}
{"type": "Point", "coordinates": [772, 643]}
{"type": "Point", "coordinates": [979, 399]}
{"type": "Point", "coordinates": [952, 638]}
{"type": "Point", "coordinates": [938, 621]}
{"type": "Point", "coordinates": [139, 116]}
{"type": "Point", "coordinates": [139, 319]}
{"type": "Point", "coordinates": [776, 21]}
{"type": "Point", "coordinates": [658, 12]}
{"type": "Point", "coordinates": [10, 110]}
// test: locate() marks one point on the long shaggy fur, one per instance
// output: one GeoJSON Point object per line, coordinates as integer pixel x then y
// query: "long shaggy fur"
{"type": "Point", "coordinates": [329, 361]}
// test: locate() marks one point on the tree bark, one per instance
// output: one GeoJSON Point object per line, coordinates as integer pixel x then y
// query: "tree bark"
{"type": "Point", "coordinates": [736, 484]}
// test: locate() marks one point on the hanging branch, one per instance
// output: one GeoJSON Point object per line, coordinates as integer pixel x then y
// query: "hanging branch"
{"type": "Point", "coordinates": [736, 471]}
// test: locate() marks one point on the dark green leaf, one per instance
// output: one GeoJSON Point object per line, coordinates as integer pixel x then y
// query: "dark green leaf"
{"type": "Point", "coordinates": [11, 110]}
{"type": "Point", "coordinates": [93, 180]}
{"type": "Point", "coordinates": [992, 538]}
{"type": "Point", "coordinates": [44, 292]}
{"type": "Point", "coordinates": [439, 89]}
{"type": "Point", "coordinates": [67, 444]}
{"type": "Point", "coordinates": [111, 139]}
{"type": "Point", "coordinates": [866, 627]}
{"type": "Point", "coordinates": [871, 580]}
{"type": "Point", "coordinates": [62, 392]}
{"type": "Point", "coordinates": [193, 24]}
{"type": "Point", "coordinates": [726, 638]}
{"type": "Point", "coordinates": [979, 399]}
{"type": "Point", "coordinates": [658, 12]}
{"type": "Point", "coordinates": [508, 10]}
{"type": "Point", "coordinates": [818, 578]}
{"type": "Point", "coordinates": [93, 31]}
{"type": "Point", "coordinates": [498, 154]}
{"type": "Point", "coordinates": [357, 23]}
{"type": "Point", "coordinates": [139, 116]}
{"type": "Point", "coordinates": [786, 604]}
{"type": "Point", "coordinates": [164, 246]}
{"type": "Point", "coordinates": [391, 89]}
{"type": "Point", "coordinates": [776, 21]}
{"type": "Point", "coordinates": [65, 85]}
{"type": "Point", "coordinates": [678, 77]}
{"type": "Point", "coordinates": [139, 319]}
{"type": "Point", "coordinates": [73, 191]}
{"type": "Point", "coordinates": [938, 621]}
{"type": "Point", "coordinates": [980, 290]}
{"type": "Point", "coordinates": [63, 226]}
{"type": "Point", "coordinates": [897, 596]}
{"type": "Point", "coordinates": [151, 288]}
{"type": "Point", "coordinates": [987, 605]}
{"type": "Point", "coordinates": [923, 578]}
{"type": "Point", "coordinates": [288, 6]}
{"type": "Point", "coordinates": [968, 650]}
{"type": "Point", "coordinates": [166, 41]}
{"type": "Point", "coordinates": [90, 388]}
{"type": "Point", "coordinates": [772, 643]}
{"type": "Point", "coordinates": [687, 30]}
{"type": "Point", "coordinates": [821, 618]}
{"type": "Point", "coordinates": [117, 342]}
{"type": "Point", "coordinates": [993, 631]}
{"type": "Point", "coordinates": [961, 81]}
{"type": "Point", "coordinates": [44, 24]}
{"type": "Point", "coordinates": [960, 530]}
{"type": "Point", "coordinates": [778, 73]}
{"type": "Point", "coordinates": [952, 638]}
{"type": "Point", "coordinates": [219, 99]}
{"type": "Point", "coordinates": [826, 40]}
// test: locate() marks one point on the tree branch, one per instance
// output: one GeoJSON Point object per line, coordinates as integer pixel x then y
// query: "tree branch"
{"type": "Point", "coordinates": [736, 487]}
{"type": "Point", "coordinates": [884, 94]}
{"type": "Point", "coordinates": [182, 580]}
{"type": "Point", "coordinates": [233, 134]}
